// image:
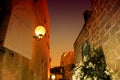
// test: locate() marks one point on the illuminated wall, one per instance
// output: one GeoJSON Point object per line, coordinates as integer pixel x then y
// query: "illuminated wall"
{"type": "Point", "coordinates": [67, 58]}
{"type": "Point", "coordinates": [25, 58]}
{"type": "Point", "coordinates": [67, 62]}
{"type": "Point", "coordinates": [102, 29]}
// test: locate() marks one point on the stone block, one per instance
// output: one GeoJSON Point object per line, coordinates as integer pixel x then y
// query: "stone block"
{"type": "Point", "coordinates": [118, 36]}
{"type": "Point", "coordinates": [105, 19]}
{"type": "Point", "coordinates": [112, 21]}
{"type": "Point", "coordinates": [117, 64]}
{"type": "Point", "coordinates": [105, 38]}
{"type": "Point", "coordinates": [8, 59]}
{"type": "Point", "coordinates": [114, 29]}
{"type": "Point", "coordinates": [111, 64]}
{"type": "Point", "coordinates": [109, 53]}
{"type": "Point", "coordinates": [119, 75]}
{"type": "Point", "coordinates": [108, 7]}
{"type": "Point", "coordinates": [104, 3]}
{"type": "Point", "coordinates": [115, 8]}
{"type": "Point", "coordinates": [112, 54]}
{"type": "Point", "coordinates": [1, 59]}
{"type": "Point", "coordinates": [118, 22]}
{"type": "Point", "coordinates": [102, 32]}
{"type": "Point", "coordinates": [112, 43]}
{"type": "Point", "coordinates": [118, 51]}
{"type": "Point", "coordinates": [97, 44]}
{"type": "Point", "coordinates": [102, 15]}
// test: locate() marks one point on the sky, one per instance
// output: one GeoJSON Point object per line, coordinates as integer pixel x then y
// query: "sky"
{"type": "Point", "coordinates": [66, 22]}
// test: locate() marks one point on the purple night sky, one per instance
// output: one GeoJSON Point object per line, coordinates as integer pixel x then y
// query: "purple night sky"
{"type": "Point", "coordinates": [66, 21]}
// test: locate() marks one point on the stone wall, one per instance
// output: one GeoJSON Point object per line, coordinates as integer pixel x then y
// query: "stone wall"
{"type": "Point", "coordinates": [67, 62]}
{"type": "Point", "coordinates": [17, 67]}
{"type": "Point", "coordinates": [103, 29]}
{"type": "Point", "coordinates": [14, 65]}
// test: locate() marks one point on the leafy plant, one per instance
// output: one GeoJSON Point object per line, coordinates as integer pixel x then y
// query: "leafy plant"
{"type": "Point", "coordinates": [93, 67]}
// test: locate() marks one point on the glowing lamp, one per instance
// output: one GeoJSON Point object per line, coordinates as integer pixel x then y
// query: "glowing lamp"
{"type": "Point", "coordinates": [53, 77]}
{"type": "Point", "coordinates": [39, 32]}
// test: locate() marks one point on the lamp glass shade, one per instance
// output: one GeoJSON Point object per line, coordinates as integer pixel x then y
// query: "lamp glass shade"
{"type": "Point", "coordinates": [40, 31]}
{"type": "Point", "coordinates": [53, 77]}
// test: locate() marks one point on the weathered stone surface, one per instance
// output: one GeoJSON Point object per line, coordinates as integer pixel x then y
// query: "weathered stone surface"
{"type": "Point", "coordinates": [118, 51]}
{"type": "Point", "coordinates": [15, 66]}
{"type": "Point", "coordinates": [108, 26]}
{"type": "Point", "coordinates": [107, 18]}
{"type": "Point", "coordinates": [118, 64]}
{"type": "Point", "coordinates": [102, 32]}
{"type": "Point", "coordinates": [118, 36]}
{"type": "Point", "coordinates": [105, 38]}
{"type": "Point", "coordinates": [114, 29]}
{"type": "Point", "coordinates": [111, 64]}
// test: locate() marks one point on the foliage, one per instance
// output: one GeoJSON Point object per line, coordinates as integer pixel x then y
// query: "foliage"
{"type": "Point", "coordinates": [93, 67]}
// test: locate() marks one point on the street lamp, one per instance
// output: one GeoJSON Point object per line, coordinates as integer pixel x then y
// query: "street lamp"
{"type": "Point", "coordinates": [53, 77]}
{"type": "Point", "coordinates": [39, 32]}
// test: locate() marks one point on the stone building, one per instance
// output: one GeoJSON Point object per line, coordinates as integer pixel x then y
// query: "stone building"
{"type": "Point", "coordinates": [67, 62]}
{"type": "Point", "coordinates": [23, 57]}
{"type": "Point", "coordinates": [102, 29]}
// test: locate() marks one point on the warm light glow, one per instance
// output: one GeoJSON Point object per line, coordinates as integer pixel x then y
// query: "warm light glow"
{"type": "Point", "coordinates": [40, 31]}
{"type": "Point", "coordinates": [65, 54]}
{"type": "Point", "coordinates": [53, 77]}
